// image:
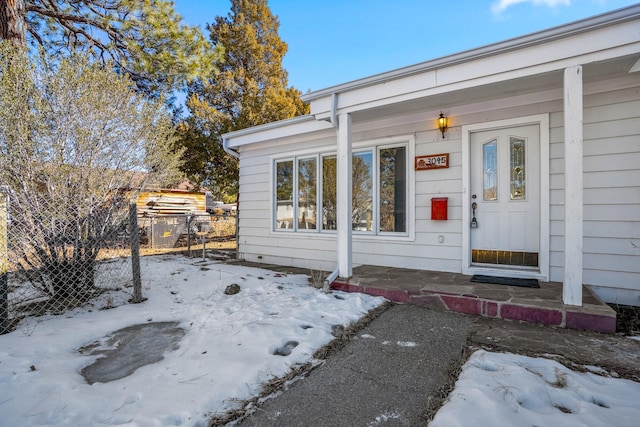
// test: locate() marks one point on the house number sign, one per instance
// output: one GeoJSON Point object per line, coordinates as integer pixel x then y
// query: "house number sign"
{"type": "Point", "coordinates": [434, 161]}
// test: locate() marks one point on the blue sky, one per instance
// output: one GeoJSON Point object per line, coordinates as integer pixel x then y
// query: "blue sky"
{"type": "Point", "coordinates": [336, 41]}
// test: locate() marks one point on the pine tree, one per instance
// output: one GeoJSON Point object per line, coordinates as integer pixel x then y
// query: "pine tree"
{"type": "Point", "coordinates": [143, 38]}
{"type": "Point", "coordinates": [250, 89]}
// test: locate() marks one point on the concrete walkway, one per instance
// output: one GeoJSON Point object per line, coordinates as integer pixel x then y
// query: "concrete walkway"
{"type": "Point", "coordinates": [387, 373]}
{"type": "Point", "coordinates": [383, 376]}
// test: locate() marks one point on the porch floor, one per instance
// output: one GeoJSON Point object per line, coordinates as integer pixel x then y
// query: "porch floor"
{"type": "Point", "coordinates": [455, 292]}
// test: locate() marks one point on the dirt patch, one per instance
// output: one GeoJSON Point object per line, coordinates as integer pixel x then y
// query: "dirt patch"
{"type": "Point", "coordinates": [127, 349]}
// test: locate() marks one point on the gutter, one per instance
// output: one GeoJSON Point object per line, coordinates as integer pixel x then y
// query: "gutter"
{"type": "Point", "coordinates": [229, 150]}
{"type": "Point", "coordinates": [269, 126]}
{"type": "Point", "coordinates": [329, 280]}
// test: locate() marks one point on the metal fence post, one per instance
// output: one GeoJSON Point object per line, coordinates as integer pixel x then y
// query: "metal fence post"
{"type": "Point", "coordinates": [189, 219]}
{"type": "Point", "coordinates": [135, 253]}
{"type": "Point", "coordinates": [4, 263]}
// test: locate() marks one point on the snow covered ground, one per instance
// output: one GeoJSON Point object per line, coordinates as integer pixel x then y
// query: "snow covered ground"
{"type": "Point", "coordinates": [224, 357]}
{"type": "Point", "coordinates": [503, 389]}
{"type": "Point", "coordinates": [228, 349]}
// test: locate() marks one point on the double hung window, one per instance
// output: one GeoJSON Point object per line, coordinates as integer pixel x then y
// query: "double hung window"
{"type": "Point", "coordinates": [305, 191]}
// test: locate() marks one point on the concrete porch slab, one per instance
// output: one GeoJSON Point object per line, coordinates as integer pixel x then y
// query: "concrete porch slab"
{"type": "Point", "coordinates": [455, 292]}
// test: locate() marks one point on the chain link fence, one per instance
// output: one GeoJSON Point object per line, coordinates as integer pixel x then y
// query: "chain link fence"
{"type": "Point", "coordinates": [53, 260]}
{"type": "Point", "coordinates": [203, 234]}
{"type": "Point", "coordinates": [56, 258]}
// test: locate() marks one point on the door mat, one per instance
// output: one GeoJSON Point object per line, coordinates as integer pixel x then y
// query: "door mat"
{"type": "Point", "coordinates": [509, 281]}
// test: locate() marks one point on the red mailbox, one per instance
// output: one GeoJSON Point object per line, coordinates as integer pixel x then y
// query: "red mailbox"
{"type": "Point", "coordinates": [439, 208]}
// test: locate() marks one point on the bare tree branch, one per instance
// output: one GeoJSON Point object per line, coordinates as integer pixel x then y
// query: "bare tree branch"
{"type": "Point", "coordinates": [145, 38]}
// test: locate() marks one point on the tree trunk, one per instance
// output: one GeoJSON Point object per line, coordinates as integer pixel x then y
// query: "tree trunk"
{"type": "Point", "coordinates": [12, 23]}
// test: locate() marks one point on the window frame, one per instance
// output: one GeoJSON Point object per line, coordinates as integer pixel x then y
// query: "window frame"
{"type": "Point", "coordinates": [372, 146]}
{"type": "Point", "coordinates": [407, 189]}
{"type": "Point", "coordinates": [274, 194]}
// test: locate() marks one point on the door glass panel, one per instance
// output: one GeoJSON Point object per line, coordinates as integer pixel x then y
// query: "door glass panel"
{"type": "Point", "coordinates": [362, 191]}
{"type": "Point", "coordinates": [284, 194]}
{"type": "Point", "coordinates": [518, 170]}
{"type": "Point", "coordinates": [329, 192]}
{"type": "Point", "coordinates": [490, 170]}
{"type": "Point", "coordinates": [307, 194]}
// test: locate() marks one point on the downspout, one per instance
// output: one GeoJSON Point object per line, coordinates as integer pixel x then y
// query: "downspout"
{"type": "Point", "coordinates": [326, 287]}
{"type": "Point", "coordinates": [237, 156]}
{"type": "Point", "coordinates": [334, 110]}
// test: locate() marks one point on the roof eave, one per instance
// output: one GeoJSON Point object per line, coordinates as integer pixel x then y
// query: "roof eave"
{"type": "Point", "coordinates": [540, 37]}
{"type": "Point", "coordinates": [275, 130]}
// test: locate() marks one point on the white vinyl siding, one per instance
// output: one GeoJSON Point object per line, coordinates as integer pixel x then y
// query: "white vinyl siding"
{"type": "Point", "coordinates": [611, 258]}
{"type": "Point", "coordinates": [611, 190]}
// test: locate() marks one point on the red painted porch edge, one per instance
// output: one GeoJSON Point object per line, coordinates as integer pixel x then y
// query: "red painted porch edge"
{"type": "Point", "coordinates": [473, 305]}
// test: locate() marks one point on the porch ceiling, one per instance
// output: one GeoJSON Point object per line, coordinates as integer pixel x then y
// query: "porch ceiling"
{"type": "Point", "coordinates": [593, 72]}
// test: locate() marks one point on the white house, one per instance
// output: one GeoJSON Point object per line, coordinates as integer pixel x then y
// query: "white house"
{"type": "Point", "coordinates": [537, 174]}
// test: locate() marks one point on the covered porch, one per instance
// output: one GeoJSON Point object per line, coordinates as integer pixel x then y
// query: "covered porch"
{"type": "Point", "coordinates": [455, 292]}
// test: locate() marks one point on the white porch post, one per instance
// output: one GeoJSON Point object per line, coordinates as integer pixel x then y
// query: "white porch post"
{"type": "Point", "coordinates": [343, 199]}
{"type": "Point", "coordinates": [573, 186]}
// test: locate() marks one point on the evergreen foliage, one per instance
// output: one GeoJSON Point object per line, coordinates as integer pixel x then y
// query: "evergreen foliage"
{"type": "Point", "coordinates": [250, 89]}
{"type": "Point", "coordinates": [142, 38]}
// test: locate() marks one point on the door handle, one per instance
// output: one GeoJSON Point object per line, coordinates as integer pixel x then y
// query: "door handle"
{"type": "Point", "coordinates": [474, 222]}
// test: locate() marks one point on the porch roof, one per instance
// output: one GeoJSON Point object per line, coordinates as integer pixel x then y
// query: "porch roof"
{"type": "Point", "coordinates": [607, 46]}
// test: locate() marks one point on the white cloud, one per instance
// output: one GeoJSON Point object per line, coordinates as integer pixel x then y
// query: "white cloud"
{"type": "Point", "coordinates": [501, 5]}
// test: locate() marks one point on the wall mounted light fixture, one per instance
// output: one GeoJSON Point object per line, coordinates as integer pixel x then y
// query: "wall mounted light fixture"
{"type": "Point", "coordinates": [443, 123]}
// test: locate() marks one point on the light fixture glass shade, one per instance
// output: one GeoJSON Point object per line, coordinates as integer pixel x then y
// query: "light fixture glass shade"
{"type": "Point", "coordinates": [442, 123]}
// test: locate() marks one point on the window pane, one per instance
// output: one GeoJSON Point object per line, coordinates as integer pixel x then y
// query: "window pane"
{"type": "Point", "coordinates": [489, 170]}
{"type": "Point", "coordinates": [307, 194]}
{"type": "Point", "coordinates": [329, 193]}
{"type": "Point", "coordinates": [393, 184]}
{"type": "Point", "coordinates": [518, 171]}
{"type": "Point", "coordinates": [284, 194]}
{"type": "Point", "coordinates": [362, 197]}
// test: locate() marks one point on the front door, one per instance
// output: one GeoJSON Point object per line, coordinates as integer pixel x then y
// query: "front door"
{"type": "Point", "coordinates": [505, 198]}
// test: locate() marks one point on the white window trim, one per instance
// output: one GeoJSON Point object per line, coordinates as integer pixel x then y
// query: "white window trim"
{"type": "Point", "coordinates": [274, 198]}
{"type": "Point", "coordinates": [375, 145]}
{"type": "Point", "coordinates": [296, 182]}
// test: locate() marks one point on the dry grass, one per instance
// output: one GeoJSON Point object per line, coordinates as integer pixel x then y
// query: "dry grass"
{"type": "Point", "coordinates": [627, 319]}
{"type": "Point", "coordinates": [439, 398]}
{"type": "Point", "coordinates": [317, 278]}
{"type": "Point", "coordinates": [114, 253]}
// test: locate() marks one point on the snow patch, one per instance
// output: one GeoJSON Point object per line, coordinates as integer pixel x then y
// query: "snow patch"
{"type": "Point", "coordinates": [503, 389]}
{"type": "Point", "coordinates": [385, 417]}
